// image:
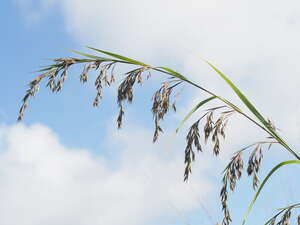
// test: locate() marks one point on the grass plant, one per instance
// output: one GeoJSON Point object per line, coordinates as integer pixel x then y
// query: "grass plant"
{"type": "Point", "coordinates": [214, 119]}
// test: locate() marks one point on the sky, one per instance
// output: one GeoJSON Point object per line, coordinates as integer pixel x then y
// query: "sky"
{"type": "Point", "coordinates": [67, 163]}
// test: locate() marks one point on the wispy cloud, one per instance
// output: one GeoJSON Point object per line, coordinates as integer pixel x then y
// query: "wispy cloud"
{"type": "Point", "coordinates": [32, 10]}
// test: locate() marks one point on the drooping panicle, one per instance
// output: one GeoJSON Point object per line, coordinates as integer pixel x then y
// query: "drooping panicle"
{"type": "Point", "coordinates": [161, 104]}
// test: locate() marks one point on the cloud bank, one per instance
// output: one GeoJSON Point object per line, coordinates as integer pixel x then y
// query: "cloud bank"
{"type": "Point", "coordinates": [44, 182]}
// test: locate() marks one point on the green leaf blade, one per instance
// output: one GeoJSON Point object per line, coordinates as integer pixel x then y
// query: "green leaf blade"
{"type": "Point", "coordinates": [244, 99]}
{"type": "Point", "coordinates": [192, 111]}
{"type": "Point", "coordinates": [273, 170]}
{"type": "Point", "coordinates": [133, 61]}
{"type": "Point", "coordinates": [173, 72]}
{"type": "Point", "coordinates": [252, 108]}
{"type": "Point", "coordinates": [90, 56]}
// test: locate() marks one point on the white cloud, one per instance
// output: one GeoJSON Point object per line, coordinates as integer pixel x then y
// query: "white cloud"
{"type": "Point", "coordinates": [234, 31]}
{"type": "Point", "coordinates": [44, 182]}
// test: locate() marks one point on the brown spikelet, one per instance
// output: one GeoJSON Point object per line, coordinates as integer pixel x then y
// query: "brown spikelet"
{"type": "Point", "coordinates": [254, 163]}
{"type": "Point", "coordinates": [125, 90]}
{"type": "Point", "coordinates": [232, 173]}
{"type": "Point", "coordinates": [192, 139]}
{"type": "Point", "coordinates": [208, 126]}
{"type": "Point", "coordinates": [161, 105]}
{"type": "Point", "coordinates": [286, 216]}
{"type": "Point", "coordinates": [30, 92]}
{"type": "Point", "coordinates": [85, 73]}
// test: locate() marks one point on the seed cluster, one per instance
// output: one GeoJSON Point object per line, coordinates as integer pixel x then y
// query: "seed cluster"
{"type": "Point", "coordinates": [192, 138]}
{"type": "Point", "coordinates": [234, 169]}
{"type": "Point", "coordinates": [219, 130]}
{"type": "Point", "coordinates": [57, 75]}
{"type": "Point", "coordinates": [214, 129]}
{"type": "Point", "coordinates": [285, 219]}
{"type": "Point", "coordinates": [232, 173]}
{"type": "Point", "coordinates": [286, 216]}
{"type": "Point", "coordinates": [254, 163]}
{"type": "Point", "coordinates": [33, 89]}
{"type": "Point", "coordinates": [56, 81]}
{"type": "Point", "coordinates": [125, 90]}
{"type": "Point", "coordinates": [103, 77]}
{"type": "Point", "coordinates": [161, 105]}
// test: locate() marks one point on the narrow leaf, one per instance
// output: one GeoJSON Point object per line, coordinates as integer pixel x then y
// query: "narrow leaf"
{"type": "Point", "coordinates": [133, 61]}
{"type": "Point", "coordinates": [173, 73]}
{"type": "Point", "coordinates": [244, 99]}
{"type": "Point", "coordinates": [192, 111]}
{"type": "Point", "coordinates": [90, 56]}
{"type": "Point", "coordinates": [45, 69]}
{"type": "Point", "coordinates": [274, 169]}
{"type": "Point", "coordinates": [252, 108]}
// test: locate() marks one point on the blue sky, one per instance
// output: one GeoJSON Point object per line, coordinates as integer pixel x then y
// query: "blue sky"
{"type": "Point", "coordinates": [66, 151]}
